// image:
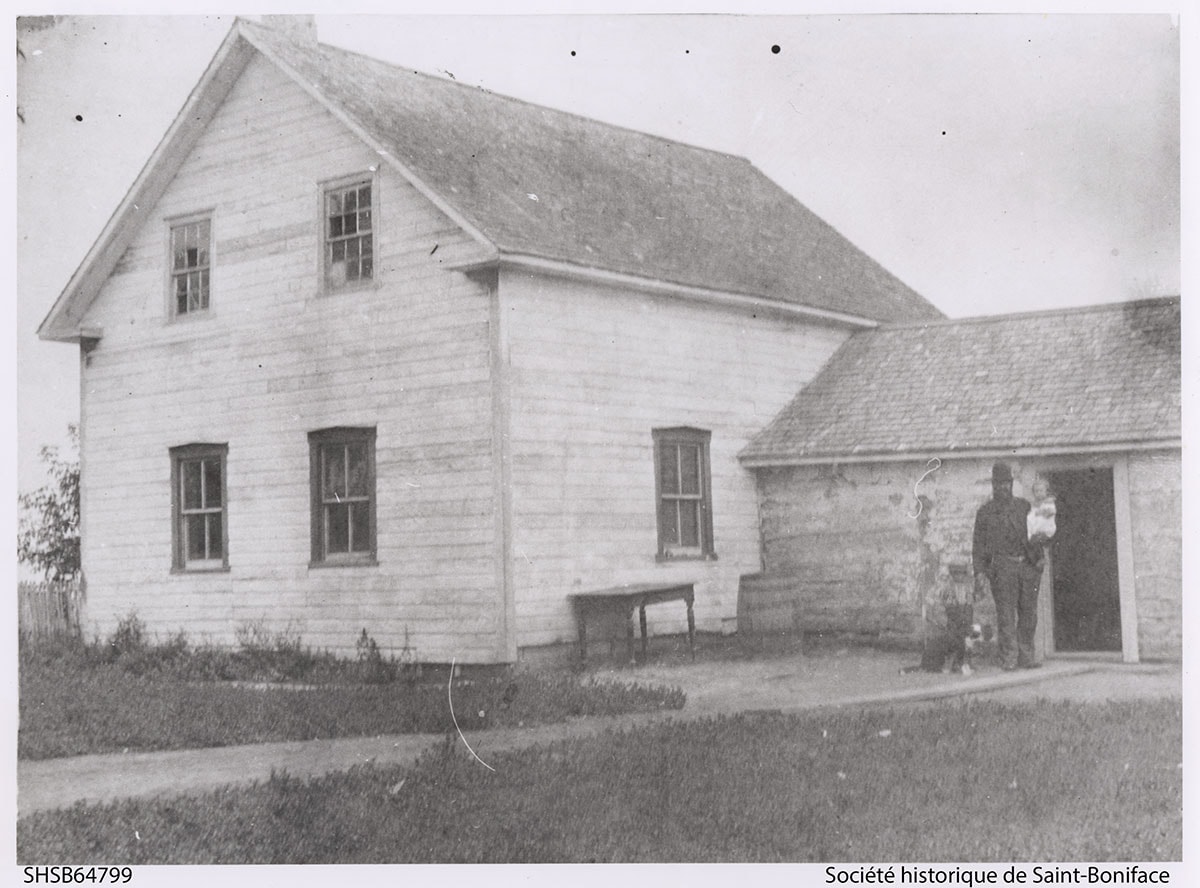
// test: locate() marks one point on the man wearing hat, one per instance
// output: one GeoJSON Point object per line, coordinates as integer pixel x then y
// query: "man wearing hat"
{"type": "Point", "coordinates": [1001, 552]}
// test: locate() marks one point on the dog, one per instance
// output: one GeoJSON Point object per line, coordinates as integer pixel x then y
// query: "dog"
{"type": "Point", "coordinates": [950, 650]}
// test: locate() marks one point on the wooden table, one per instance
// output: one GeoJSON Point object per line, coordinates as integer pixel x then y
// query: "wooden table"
{"type": "Point", "coordinates": [624, 600]}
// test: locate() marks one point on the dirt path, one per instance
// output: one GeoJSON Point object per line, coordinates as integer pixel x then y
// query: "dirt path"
{"type": "Point", "coordinates": [785, 684]}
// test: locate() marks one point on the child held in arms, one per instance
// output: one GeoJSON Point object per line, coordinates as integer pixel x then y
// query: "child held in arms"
{"type": "Point", "coordinates": [1040, 523]}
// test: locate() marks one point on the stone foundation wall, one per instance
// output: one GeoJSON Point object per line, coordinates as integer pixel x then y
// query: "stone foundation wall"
{"type": "Point", "coordinates": [1156, 510]}
{"type": "Point", "coordinates": [858, 546]}
{"type": "Point", "coordinates": [867, 545]}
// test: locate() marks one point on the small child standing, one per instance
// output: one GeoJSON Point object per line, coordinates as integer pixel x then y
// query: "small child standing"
{"type": "Point", "coordinates": [1041, 519]}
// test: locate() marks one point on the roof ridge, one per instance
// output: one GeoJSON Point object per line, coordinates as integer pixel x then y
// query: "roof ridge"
{"type": "Point", "coordinates": [453, 81]}
{"type": "Point", "coordinates": [1092, 308]}
{"type": "Point", "coordinates": [885, 294]}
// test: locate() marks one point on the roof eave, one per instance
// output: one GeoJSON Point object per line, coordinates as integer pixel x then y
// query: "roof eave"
{"type": "Point", "coordinates": [593, 274]}
{"type": "Point", "coordinates": [780, 460]}
{"type": "Point", "coordinates": [63, 322]}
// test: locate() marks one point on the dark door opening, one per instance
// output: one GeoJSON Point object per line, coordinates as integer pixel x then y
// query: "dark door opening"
{"type": "Point", "coordinates": [1087, 595]}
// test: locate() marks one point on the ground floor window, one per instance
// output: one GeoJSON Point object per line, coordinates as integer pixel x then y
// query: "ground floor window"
{"type": "Point", "coordinates": [200, 533]}
{"type": "Point", "coordinates": [343, 495]}
{"type": "Point", "coordinates": [683, 489]}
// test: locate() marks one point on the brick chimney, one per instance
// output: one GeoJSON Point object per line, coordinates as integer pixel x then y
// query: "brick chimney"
{"type": "Point", "coordinates": [301, 28]}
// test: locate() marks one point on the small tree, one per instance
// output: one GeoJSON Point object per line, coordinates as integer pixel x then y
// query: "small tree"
{"type": "Point", "coordinates": [48, 531]}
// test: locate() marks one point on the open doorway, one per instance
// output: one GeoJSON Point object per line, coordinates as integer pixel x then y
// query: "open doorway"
{"type": "Point", "coordinates": [1086, 591]}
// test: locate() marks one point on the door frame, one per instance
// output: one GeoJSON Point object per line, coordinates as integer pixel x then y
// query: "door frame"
{"type": "Point", "coordinates": [1126, 576]}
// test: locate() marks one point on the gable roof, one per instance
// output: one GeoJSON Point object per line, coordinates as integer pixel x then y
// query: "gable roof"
{"type": "Point", "coordinates": [607, 198]}
{"type": "Point", "coordinates": [1101, 377]}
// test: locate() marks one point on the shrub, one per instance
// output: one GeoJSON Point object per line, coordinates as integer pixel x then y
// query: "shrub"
{"type": "Point", "coordinates": [130, 693]}
{"type": "Point", "coordinates": [372, 667]}
{"type": "Point", "coordinates": [128, 638]}
{"type": "Point", "coordinates": [48, 530]}
{"type": "Point", "coordinates": [130, 648]}
{"type": "Point", "coordinates": [277, 655]}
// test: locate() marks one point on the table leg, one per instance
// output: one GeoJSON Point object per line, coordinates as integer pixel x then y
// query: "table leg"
{"type": "Point", "coordinates": [629, 635]}
{"type": "Point", "coordinates": [642, 609]}
{"type": "Point", "coordinates": [691, 626]}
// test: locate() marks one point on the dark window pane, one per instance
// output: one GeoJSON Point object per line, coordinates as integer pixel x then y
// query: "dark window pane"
{"type": "Point", "coordinates": [212, 483]}
{"type": "Point", "coordinates": [193, 291]}
{"type": "Point", "coordinates": [360, 526]}
{"type": "Point", "coordinates": [366, 266]}
{"type": "Point", "coordinates": [350, 201]}
{"type": "Point", "coordinates": [669, 468]}
{"type": "Point", "coordinates": [365, 245]}
{"type": "Point", "coordinates": [179, 248]}
{"type": "Point", "coordinates": [689, 523]}
{"type": "Point", "coordinates": [352, 249]}
{"type": "Point", "coordinates": [356, 456]}
{"type": "Point", "coordinates": [193, 497]}
{"type": "Point", "coordinates": [194, 531]}
{"type": "Point", "coordinates": [689, 469]}
{"type": "Point", "coordinates": [338, 251]}
{"type": "Point", "coordinates": [334, 204]}
{"type": "Point", "coordinates": [364, 220]}
{"type": "Point", "coordinates": [334, 459]}
{"type": "Point", "coordinates": [337, 524]}
{"type": "Point", "coordinates": [216, 543]}
{"type": "Point", "coordinates": [668, 522]}
{"type": "Point", "coordinates": [335, 226]}
{"type": "Point", "coordinates": [189, 245]}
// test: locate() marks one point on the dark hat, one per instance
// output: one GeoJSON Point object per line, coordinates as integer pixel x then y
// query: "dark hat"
{"type": "Point", "coordinates": [1001, 473]}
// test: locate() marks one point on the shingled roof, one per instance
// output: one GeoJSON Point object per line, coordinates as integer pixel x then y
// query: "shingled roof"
{"type": "Point", "coordinates": [1100, 377]}
{"type": "Point", "coordinates": [607, 198]}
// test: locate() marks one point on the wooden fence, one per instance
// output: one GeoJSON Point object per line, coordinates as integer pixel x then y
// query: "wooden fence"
{"type": "Point", "coordinates": [49, 610]}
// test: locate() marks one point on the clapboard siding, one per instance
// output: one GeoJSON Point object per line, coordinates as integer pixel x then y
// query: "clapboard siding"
{"type": "Point", "coordinates": [275, 359]}
{"type": "Point", "coordinates": [592, 371]}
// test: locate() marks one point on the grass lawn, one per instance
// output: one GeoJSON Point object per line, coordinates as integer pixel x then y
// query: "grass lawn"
{"type": "Point", "coordinates": [73, 703]}
{"type": "Point", "coordinates": [971, 782]}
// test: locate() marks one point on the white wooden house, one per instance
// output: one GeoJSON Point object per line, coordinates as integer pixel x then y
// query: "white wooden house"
{"type": "Point", "coordinates": [365, 348]}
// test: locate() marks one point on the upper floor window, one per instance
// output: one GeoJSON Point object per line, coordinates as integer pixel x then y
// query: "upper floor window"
{"type": "Point", "coordinates": [198, 502]}
{"type": "Point", "coordinates": [191, 253]}
{"type": "Point", "coordinates": [349, 235]}
{"type": "Point", "coordinates": [684, 493]}
{"type": "Point", "coordinates": [343, 495]}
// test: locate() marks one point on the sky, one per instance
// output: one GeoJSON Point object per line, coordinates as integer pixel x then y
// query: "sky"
{"type": "Point", "coordinates": [994, 163]}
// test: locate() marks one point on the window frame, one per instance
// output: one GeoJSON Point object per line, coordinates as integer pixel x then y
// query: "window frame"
{"type": "Point", "coordinates": [178, 223]}
{"type": "Point", "coordinates": [345, 184]}
{"type": "Point", "coordinates": [673, 549]}
{"type": "Point", "coordinates": [180, 562]}
{"type": "Point", "coordinates": [317, 442]}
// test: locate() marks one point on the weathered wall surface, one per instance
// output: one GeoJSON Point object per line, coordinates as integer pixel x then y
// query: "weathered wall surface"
{"type": "Point", "coordinates": [857, 547]}
{"type": "Point", "coordinates": [1156, 507]}
{"type": "Point", "coordinates": [592, 371]}
{"type": "Point", "coordinates": [274, 359]}
{"type": "Point", "coordinates": [865, 544]}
